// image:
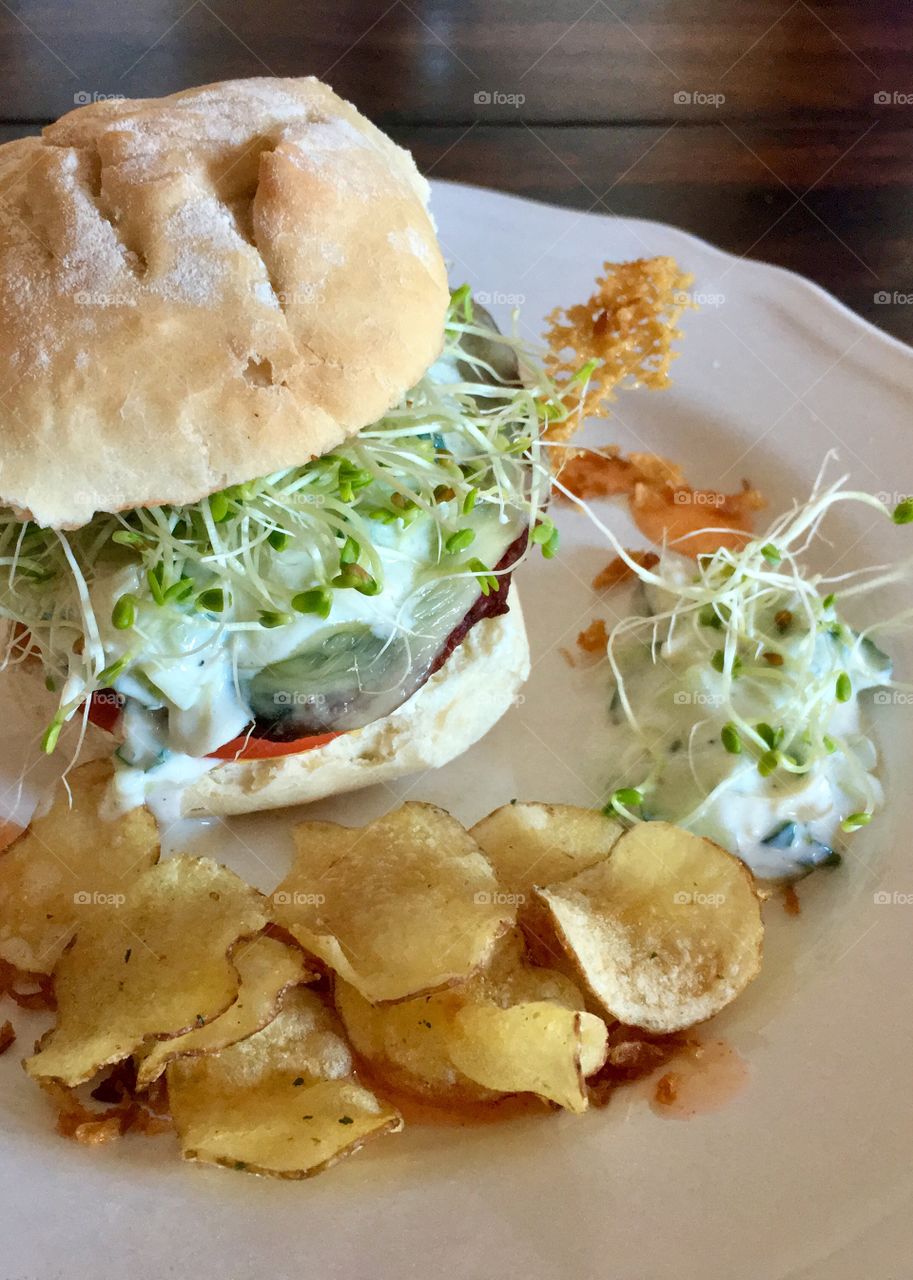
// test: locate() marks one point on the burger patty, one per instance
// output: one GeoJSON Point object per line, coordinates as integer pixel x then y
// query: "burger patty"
{"type": "Point", "coordinates": [486, 606]}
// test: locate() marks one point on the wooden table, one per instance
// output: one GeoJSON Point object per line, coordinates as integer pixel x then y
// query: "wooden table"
{"type": "Point", "coordinates": [779, 130]}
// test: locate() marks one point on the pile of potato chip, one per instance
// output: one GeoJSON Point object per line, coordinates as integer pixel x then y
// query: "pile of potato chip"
{"type": "Point", "coordinates": [410, 959]}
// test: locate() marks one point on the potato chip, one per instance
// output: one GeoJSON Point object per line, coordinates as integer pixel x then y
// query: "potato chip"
{"type": "Point", "coordinates": [283, 1102]}
{"type": "Point", "coordinates": [156, 967]}
{"type": "Point", "coordinates": [538, 1047]}
{"type": "Point", "coordinates": [266, 967]}
{"type": "Point", "coordinates": [408, 1044]}
{"type": "Point", "coordinates": [68, 864]}
{"type": "Point", "coordinates": [434, 1048]}
{"type": "Point", "coordinates": [406, 905]}
{"type": "Point", "coordinates": [665, 932]}
{"type": "Point", "coordinates": [529, 844]}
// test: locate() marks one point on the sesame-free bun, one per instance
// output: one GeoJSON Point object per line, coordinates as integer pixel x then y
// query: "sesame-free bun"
{"type": "Point", "coordinates": [460, 703]}
{"type": "Point", "coordinates": [201, 289]}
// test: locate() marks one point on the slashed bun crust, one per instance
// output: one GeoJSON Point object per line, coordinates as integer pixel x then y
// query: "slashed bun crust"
{"type": "Point", "coordinates": [201, 289]}
{"type": "Point", "coordinates": [461, 702]}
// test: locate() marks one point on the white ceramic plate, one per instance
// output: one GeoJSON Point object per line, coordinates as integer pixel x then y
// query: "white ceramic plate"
{"type": "Point", "coordinates": [807, 1171]}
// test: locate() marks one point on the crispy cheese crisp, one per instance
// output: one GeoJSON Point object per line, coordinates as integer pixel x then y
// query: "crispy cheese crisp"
{"type": "Point", "coordinates": [283, 1102]}
{"type": "Point", "coordinates": [618, 570]}
{"type": "Point", "coordinates": [405, 905]}
{"type": "Point", "coordinates": [67, 866]}
{"type": "Point", "coordinates": [626, 328]}
{"type": "Point", "coordinates": [594, 638]}
{"type": "Point", "coordinates": [156, 968]}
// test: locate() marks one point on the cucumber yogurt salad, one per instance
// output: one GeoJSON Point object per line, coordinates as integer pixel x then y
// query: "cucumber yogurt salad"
{"type": "Point", "coordinates": [739, 686]}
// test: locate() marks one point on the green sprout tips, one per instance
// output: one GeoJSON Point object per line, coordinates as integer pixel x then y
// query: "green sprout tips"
{"type": "Point", "coordinates": [123, 615]}
{"type": "Point", "coordinates": [622, 800]}
{"type": "Point", "coordinates": [318, 600]}
{"type": "Point", "coordinates": [349, 552]}
{"type": "Point", "coordinates": [354, 577]}
{"type": "Point", "coordinates": [219, 507]}
{"type": "Point", "coordinates": [729, 736]}
{"type": "Point", "coordinates": [484, 576]}
{"type": "Point", "coordinates": [855, 820]}
{"type": "Point", "coordinates": [459, 541]}
{"type": "Point", "coordinates": [545, 535]}
{"type": "Point", "coordinates": [51, 734]}
{"type": "Point", "coordinates": [769, 763]}
{"type": "Point", "coordinates": [155, 580]}
{"type": "Point", "coordinates": [213, 600]}
{"type": "Point", "coordinates": [271, 618]}
{"type": "Point", "coordinates": [903, 512]}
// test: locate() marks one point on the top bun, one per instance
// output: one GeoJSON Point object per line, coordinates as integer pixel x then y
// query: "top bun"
{"type": "Point", "coordinates": [201, 289]}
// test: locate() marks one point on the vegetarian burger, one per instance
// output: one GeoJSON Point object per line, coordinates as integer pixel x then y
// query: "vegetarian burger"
{"type": "Point", "coordinates": [264, 479]}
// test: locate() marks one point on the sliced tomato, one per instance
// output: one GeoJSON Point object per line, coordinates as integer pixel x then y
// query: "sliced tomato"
{"type": "Point", "coordinates": [104, 711]}
{"type": "Point", "coordinates": [263, 749]}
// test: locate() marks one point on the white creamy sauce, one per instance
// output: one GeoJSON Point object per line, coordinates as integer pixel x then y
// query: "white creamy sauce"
{"type": "Point", "coordinates": [781, 824]}
{"type": "Point", "coordinates": [189, 679]}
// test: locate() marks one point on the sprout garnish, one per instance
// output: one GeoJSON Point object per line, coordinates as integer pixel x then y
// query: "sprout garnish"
{"type": "Point", "coordinates": [742, 631]}
{"type": "Point", "coordinates": [463, 444]}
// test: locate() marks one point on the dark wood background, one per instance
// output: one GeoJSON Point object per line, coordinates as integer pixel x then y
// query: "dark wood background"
{"type": "Point", "coordinates": [779, 130]}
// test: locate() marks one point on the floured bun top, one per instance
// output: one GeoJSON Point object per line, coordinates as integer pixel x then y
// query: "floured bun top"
{"type": "Point", "coordinates": [201, 289]}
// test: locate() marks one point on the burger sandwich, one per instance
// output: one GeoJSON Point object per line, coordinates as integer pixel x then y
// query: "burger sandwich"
{"type": "Point", "coordinates": [263, 477]}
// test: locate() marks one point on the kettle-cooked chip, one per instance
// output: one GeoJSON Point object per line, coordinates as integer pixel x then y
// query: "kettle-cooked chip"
{"type": "Point", "coordinates": [435, 1047]}
{"type": "Point", "coordinates": [666, 932]}
{"type": "Point", "coordinates": [407, 1044]}
{"type": "Point", "coordinates": [69, 864]}
{"type": "Point", "coordinates": [156, 967]}
{"type": "Point", "coordinates": [408, 904]}
{"type": "Point", "coordinates": [536, 1047]}
{"type": "Point", "coordinates": [528, 843]}
{"type": "Point", "coordinates": [283, 1102]}
{"type": "Point", "coordinates": [266, 967]}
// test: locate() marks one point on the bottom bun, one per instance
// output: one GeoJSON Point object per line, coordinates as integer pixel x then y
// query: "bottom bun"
{"type": "Point", "coordinates": [451, 711]}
